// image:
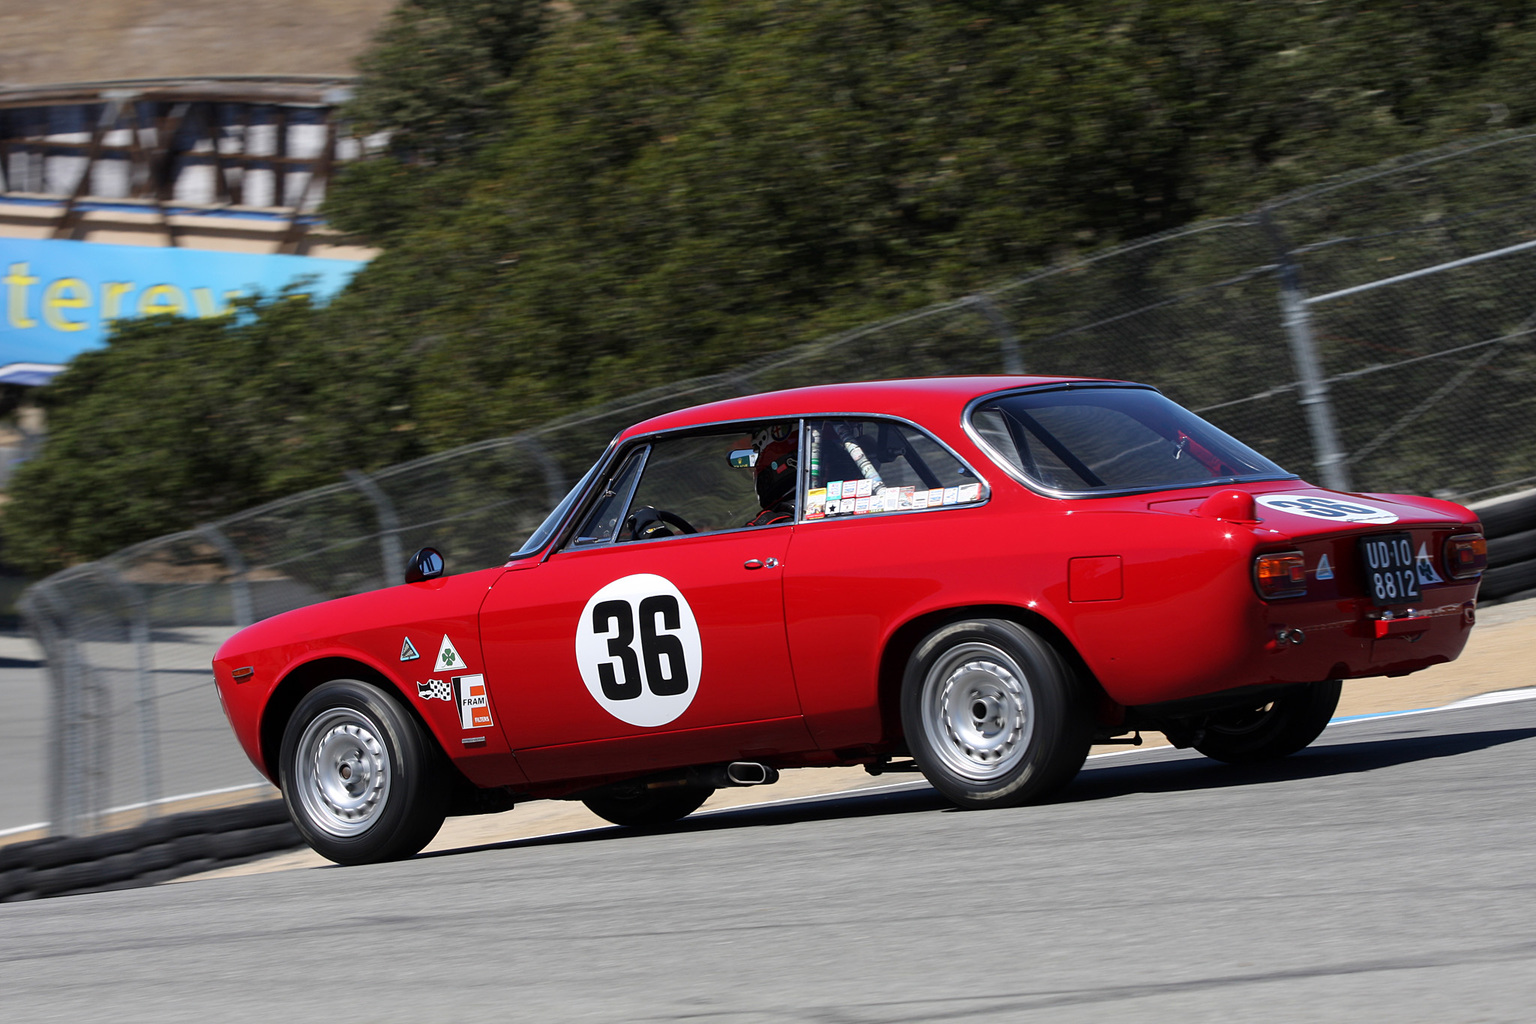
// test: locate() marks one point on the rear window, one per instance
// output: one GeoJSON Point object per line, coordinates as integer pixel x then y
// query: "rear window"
{"type": "Point", "coordinates": [1095, 440]}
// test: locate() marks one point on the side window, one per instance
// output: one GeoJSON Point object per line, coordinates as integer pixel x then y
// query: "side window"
{"type": "Point", "coordinates": [860, 466]}
{"type": "Point", "coordinates": [603, 521]}
{"type": "Point", "coordinates": [726, 479]}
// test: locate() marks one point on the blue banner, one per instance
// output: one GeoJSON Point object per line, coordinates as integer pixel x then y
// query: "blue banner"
{"type": "Point", "coordinates": [58, 298]}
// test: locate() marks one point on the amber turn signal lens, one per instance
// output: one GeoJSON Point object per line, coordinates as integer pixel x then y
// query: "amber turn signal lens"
{"type": "Point", "coordinates": [1466, 555]}
{"type": "Point", "coordinates": [1280, 575]}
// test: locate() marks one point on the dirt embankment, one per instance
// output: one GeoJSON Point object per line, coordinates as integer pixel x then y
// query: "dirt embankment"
{"type": "Point", "coordinates": [100, 40]}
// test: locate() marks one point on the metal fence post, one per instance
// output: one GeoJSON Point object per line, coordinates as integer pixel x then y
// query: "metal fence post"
{"type": "Point", "coordinates": [1315, 402]}
{"type": "Point", "coordinates": [1013, 361]}
{"type": "Point", "coordinates": [40, 616]}
{"type": "Point", "coordinates": [137, 612]}
{"type": "Point", "coordinates": [242, 607]}
{"type": "Point", "coordinates": [389, 524]}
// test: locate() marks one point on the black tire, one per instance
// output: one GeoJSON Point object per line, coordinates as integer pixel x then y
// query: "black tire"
{"type": "Point", "coordinates": [1269, 731]}
{"type": "Point", "coordinates": [993, 715]}
{"type": "Point", "coordinates": [363, 781]}
{"type": "Point", "coordinates": [647, 808]}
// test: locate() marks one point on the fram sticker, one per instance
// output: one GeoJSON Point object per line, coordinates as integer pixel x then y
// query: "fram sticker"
{"type": "Point", "coordinates": [447, 657]}
{"type": "Point", "coordinates": [474, 704]}
{"type": "Point", "coordinates": [434, 689]}
{"type": "Point", "coordinates": [1317, 506]}
{"type": "Point", "coordinates": [638, 650]}
{"type": "Point", "coordinates": [408, 651]}
{"type": "Point", "coordinates": [1324, 569]}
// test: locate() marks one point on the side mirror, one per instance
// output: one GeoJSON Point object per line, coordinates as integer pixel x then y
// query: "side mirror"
{"type": "Point", "coordinates": [426, 564]}
{"type": "Point", "coordinates": [743, 458]}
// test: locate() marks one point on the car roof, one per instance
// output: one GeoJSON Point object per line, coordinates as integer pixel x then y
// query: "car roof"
{"type": "Point", "coordinates": [917, 398]}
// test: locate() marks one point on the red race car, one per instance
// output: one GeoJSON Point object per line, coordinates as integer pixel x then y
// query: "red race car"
{"type": "Point", "coordinates": [975, 577]}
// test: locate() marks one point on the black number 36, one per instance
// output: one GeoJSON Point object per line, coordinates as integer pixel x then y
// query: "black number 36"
{"type": "Point", "coordinates": [666, 672]}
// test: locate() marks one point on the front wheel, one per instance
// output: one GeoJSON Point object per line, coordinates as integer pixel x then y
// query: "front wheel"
{"type": "Point", "coordinates": [993, 715]}
{"type": "Point", "coordinates": [362, 781]}
{"type": "Point", "coordinates": [1271, 730]}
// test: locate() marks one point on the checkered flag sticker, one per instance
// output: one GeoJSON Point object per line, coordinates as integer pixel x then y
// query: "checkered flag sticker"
{"type": "Point", "coordinates": [434, 689]}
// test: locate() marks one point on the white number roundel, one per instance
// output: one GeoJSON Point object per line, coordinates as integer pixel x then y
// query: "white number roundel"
{"type": "Point", "coordinates": [1316, 506]}
{"type": "Point", "coordinates": [638, 649]}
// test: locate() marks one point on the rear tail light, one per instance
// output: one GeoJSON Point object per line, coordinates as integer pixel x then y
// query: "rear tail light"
{"type": "Point", "coordinates": [1466, 555]}
{"type": "Point", "coordinates": [1280, 575]}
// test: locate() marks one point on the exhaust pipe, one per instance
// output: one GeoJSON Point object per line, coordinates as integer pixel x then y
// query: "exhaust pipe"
{"type": "Point", "coordinates": [737, 773]}
{"type": "Point", "coordinates": [750, 773]}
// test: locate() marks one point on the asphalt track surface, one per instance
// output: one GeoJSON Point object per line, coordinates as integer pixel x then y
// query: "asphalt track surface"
{"type": "Point", "coordinates": [1383, 874]}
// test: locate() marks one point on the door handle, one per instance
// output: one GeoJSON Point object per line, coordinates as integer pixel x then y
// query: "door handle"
{"type": "Point", "coordinates": [760, 563]}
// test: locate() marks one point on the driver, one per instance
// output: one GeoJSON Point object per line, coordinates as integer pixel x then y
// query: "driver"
{"type": "Point", "coordinates": [778, 449]}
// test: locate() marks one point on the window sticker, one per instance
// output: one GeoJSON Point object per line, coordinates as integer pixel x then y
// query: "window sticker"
{"type": "Point", "coordinates": [905, 498]}
{"type": "Point", "coordinates": [935, 497]}
{"type": "Point", "coordinates": [850, 488]}
{"type": "Point", "coordinates": [951, 495]}
{"type": "Point", "coordinates": [639, 651]}
{"type": "Point", "coordinates": [866, 489]}
{"type": "Point", "coordinates": [861, 505]}
{"type": "Point", "coordinates": [1317, 506]}
{"type": "Point", "coordinates": [448, 657]}
{"type": "Point", "coordinates": [816, 503]}
{"type": "Point", "coordinates": [969, 492]}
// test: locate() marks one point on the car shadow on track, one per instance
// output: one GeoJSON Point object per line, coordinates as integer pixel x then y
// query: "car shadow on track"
{"type": "Point", "coordinates": [1188, 771]}
{"type": "Point", "coordinates": [1168, 771]}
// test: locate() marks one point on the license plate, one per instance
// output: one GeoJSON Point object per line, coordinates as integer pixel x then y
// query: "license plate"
{"type": "Point", "coordinates": [1390, 576]}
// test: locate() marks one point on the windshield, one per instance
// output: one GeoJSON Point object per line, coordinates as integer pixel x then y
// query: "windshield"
{"type": "Point", "coordinates": [540, 536]}
{"type": "Point", "coordinates": [1100, 439]}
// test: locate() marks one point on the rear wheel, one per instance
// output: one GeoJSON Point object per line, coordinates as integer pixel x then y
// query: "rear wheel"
{"type": "Point", "coordinates": [362, 781]}
{"type": "Point", "coordinates": [646, 808]}
{"type": "Point", "coordinates": [993, 715]}
{"type": "Point", "coordinates": [1271, 730]}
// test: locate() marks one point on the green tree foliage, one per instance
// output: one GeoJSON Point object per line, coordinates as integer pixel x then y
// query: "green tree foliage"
{"type": "Point", "coordinates": [584, 198]}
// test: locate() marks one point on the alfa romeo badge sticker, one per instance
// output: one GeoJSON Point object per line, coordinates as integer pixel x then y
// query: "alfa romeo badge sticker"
{"type": "Point", "coordinates": [638, 649]}
{"type": "Point", "coordinates": [448, 659]}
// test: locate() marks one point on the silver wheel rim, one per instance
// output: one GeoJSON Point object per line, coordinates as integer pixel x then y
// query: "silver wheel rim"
{"type": "Point", "coordinates": [978, 711]}
{"type": "Point", "coordinates": [343, 772]}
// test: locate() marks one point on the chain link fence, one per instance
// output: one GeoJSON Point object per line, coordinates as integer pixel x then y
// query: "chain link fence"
{"type": "Point", "coordinates": [1372, 334]}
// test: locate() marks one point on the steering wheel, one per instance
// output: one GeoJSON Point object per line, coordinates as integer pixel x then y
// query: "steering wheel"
{"type": "Point", "coordinates": [649, 522]}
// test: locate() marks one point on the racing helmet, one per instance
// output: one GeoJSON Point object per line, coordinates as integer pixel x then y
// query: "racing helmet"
{"type": "Point", "coordinates": [778, 447]}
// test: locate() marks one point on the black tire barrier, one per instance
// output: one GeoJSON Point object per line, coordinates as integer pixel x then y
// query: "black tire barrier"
{"type": "Point", "coordinates": [1504, 516]}
{"type": "Point", "coordinates": [1510, 526]}
{"type": "Point", "coordinates": [157, 851]}
{"type": "Point", "coordinates": [1516, 547]}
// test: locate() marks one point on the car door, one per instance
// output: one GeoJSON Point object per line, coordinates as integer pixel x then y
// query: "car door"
{"type": "Point", "coordinates": [888, 528]}
{"type": "Point", "coordinates": [639, 646]}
